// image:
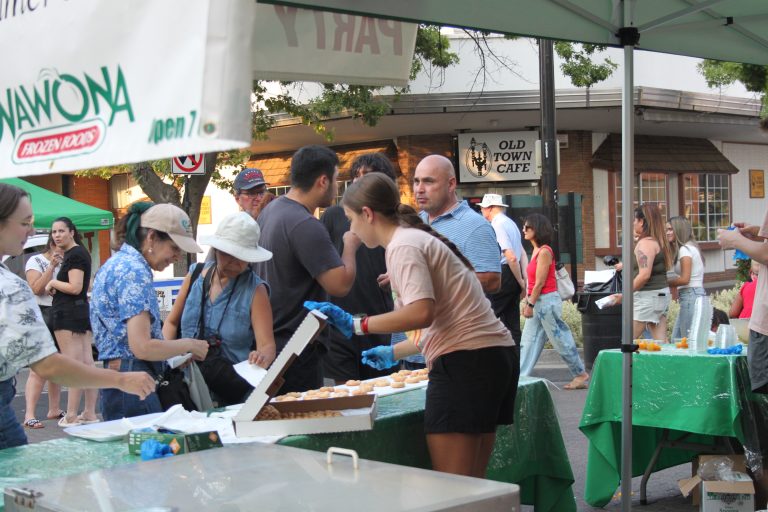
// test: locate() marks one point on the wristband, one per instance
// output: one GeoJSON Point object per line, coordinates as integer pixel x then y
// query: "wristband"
{"type": "Point", "coordinates": [357, 325]}
{"type": "Point", "coordinates": [529, 304]}
{"type": "Point", "coordinates": [364, 325]}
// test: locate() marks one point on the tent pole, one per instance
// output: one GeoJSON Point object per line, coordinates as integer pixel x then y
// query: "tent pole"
{"type": "Point", "coordinates": [629, 37]}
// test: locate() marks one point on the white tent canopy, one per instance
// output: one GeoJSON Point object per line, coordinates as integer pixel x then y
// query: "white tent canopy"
{"type": "Point", "coordinates": [732, 30]}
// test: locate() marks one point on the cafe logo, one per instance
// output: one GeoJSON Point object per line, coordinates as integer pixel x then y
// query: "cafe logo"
{"type": "Point", "coordinates": [477, 158]}
{"type": "Point", "coordinates": [61, 114]}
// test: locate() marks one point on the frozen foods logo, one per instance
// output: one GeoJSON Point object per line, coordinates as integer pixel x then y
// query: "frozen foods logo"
{"type": "Point", "coordinates": [62, 115]}
{"type": "Point", "coordinates": [477, 157]}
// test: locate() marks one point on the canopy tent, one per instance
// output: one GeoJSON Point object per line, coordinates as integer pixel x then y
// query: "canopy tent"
{"type": "Point", "coordinates": [732, 30]}
{"type": "Point", "coordinates": [48, 206]}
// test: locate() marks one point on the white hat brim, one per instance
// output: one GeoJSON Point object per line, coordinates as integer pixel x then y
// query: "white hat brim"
{"type": "Point", "coordinates": [482, 205]}
{"type": "Point", "coordinates": [249, 254]}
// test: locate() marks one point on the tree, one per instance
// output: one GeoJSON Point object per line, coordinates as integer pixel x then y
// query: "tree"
{"type": "Point", "coordinates": [579, 67]}
{"type": "Point", "coordinates": [754, 78]}
{"type": "Point", "coordinates": [362, 102]}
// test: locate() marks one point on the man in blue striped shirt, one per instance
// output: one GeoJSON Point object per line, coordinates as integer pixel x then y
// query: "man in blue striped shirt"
{"type": "Point", "coordinates": [434, 185]}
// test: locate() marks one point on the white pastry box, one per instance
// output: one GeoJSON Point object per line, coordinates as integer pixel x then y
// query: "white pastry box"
{"type": "Point", "coordinates": [356, 412]}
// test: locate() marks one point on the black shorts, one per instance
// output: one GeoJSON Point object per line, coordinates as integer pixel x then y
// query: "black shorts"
{"type": "Point", "coordinates": [72, 317]}
{"type": "Point", "coordinates": [472, 391]}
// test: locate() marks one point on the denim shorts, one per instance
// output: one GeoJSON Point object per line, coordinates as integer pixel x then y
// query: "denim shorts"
{"type": "Point", "coordinates": [651, 305]}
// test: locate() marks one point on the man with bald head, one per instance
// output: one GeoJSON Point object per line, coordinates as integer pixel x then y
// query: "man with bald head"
{"type": "Point", "coordinates": [434, 185]}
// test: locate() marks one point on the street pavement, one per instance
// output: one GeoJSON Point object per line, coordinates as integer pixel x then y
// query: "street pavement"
{"type": "Point", "coordinates": [663, 494]}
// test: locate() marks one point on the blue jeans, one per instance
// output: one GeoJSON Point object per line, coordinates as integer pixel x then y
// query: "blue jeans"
{"type": "Point", "coordinates": [687, 300]}
{"type": "Point", "coordinates": [116, 405]}
{"type": "Point", "coordinates": [11, 433]}
{"type": "Point", "coordinates": [547, 323]}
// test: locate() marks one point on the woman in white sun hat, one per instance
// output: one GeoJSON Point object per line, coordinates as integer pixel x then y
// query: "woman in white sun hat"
{"type": "Point", "coordinates": [228, 305]}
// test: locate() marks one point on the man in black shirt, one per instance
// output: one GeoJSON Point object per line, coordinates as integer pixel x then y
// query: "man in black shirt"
{"type": "Point", "coordinates": [343, 360]}
{"type": "Point", "coordinates": [306, 265]}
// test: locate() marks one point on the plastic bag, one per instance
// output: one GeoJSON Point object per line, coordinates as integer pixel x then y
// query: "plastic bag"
{"type": "Point", "coordinates": [613, 285]}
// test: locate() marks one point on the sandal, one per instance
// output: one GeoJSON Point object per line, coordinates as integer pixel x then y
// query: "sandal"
{"type": "Point", "coordinates": [64, 423]}
{"type": "Point", "coordinates": [57, 416]}
{"type": "Point", "coordinates": [33, 423]}
{"type": "Point", "coordinates": [82, 421]}
{"type": "Point", "coordinates": [577, 384]}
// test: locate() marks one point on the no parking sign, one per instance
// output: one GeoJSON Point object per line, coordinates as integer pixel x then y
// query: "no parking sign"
{"type": "Point", "coordinates": [188, 164]}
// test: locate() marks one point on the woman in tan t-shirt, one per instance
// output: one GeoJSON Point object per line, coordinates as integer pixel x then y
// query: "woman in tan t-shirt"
{"type": "Point", "coordinates": [473, 367]}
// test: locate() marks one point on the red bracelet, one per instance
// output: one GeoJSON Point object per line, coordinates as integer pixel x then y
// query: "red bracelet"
{"type": "Point", "coordinates": [364, 325]}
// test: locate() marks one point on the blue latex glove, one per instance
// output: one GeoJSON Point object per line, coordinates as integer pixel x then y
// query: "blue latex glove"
{"type": "Point", "coordinates": [154, 449]}
{"type": "Point", "coordinates": [381, 357]}
{"type": "Point", "coordinates": [737, 254]}
{"type": "Point", "coordinates": [734, 350]}
{"type": "Point", "coordinates": [337, 317]}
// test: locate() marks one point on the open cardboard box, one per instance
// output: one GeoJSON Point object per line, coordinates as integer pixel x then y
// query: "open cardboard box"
{"type": "Point", "coordinates": [358, 412]}
{"type": "Point", "coordinates": [716, 496]}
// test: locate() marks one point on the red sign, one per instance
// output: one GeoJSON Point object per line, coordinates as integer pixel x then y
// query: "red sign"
{"type": "Point", "coordinates": [188, 164]}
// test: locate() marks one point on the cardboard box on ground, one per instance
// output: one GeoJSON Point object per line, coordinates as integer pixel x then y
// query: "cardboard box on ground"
{"type": "Point", "coordinates": [721, 496]}
{"type": "Point", "coordinates": [359, 412]}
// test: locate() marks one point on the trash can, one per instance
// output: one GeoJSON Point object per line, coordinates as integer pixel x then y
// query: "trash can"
{"type": "Point", "coordinates": [600, 328]}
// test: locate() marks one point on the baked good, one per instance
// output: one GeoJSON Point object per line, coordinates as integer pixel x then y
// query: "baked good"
{"type": "Point", "coordinates": [381, 383]}
{"type": "Point", "coordinates": [352, 383]}
{"type": "Point", "coordinates": [398, 378]}
{"type": "Point", "coordinates": [268, 412]}
{"type": "Point", "coordinates": [398, 384]}
{"type": "Point", "coordinates": [412, 380]}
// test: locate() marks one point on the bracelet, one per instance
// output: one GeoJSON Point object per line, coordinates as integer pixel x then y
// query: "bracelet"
{"type": "Point", "coordinates": [357, 324]}
{"type": "Point", "coordinates": [364, 325]}
{"type": "Point", "coordinates": [529, 304]}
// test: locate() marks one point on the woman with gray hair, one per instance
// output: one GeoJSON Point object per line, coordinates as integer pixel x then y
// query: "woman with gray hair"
{"type": "Point", "coordinates": [228, 305]}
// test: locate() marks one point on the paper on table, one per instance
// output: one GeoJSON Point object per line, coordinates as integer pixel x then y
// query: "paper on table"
{"type": "Point", "coordinates": [252, 373]}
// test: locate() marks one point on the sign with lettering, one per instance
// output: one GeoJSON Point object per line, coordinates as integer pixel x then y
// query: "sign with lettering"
{"type": "Point", "coordinates": [498, 156]}
{"type": "Point", "coordinates": [302, 44]}
{"type": "Point", "coordinates": [124, 88]}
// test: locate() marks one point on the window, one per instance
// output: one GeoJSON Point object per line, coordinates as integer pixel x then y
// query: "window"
{"type": "Point", "coordinates": [707, 204]}
{"type": "Point", "coordinates": [649, 188]}
{"type": "Point", "coordinates": [279, 191]}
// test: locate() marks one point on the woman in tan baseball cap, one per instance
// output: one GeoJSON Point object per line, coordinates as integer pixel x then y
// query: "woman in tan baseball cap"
{"type": "Point", "coordinates": [125, 315]}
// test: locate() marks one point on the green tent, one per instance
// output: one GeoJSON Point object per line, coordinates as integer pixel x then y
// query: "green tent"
{"type": "Point", "coordinates": [48, 206]}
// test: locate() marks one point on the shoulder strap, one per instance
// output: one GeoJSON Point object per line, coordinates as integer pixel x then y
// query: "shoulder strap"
{"type": "Point", "coordinates": [196, 273]}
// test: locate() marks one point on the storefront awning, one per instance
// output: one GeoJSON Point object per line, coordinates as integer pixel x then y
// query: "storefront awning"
{"type": "Point", "coordinates": [664, 154]}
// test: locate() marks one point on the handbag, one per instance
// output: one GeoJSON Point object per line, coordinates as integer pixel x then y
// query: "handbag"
{"type": "Point", "coordinates": [172, 389]}
{"type": "Point", "coordinates": [564, 284]}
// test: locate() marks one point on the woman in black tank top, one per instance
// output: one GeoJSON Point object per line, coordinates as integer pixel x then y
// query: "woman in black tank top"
{"type": "Point", "coordinates": [649, 273]}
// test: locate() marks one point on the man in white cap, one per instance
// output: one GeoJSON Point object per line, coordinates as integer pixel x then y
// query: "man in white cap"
{"type": "Point", "coordinates": [506, 302]}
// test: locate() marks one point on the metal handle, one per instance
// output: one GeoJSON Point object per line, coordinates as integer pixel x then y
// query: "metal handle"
{"type": "Point", "coordinates": [342, 451]}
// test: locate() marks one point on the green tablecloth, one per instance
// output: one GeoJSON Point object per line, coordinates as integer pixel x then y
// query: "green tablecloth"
{"type": "Point", "coordinates": [530, 453]}
{"type": "Point", "coordinates": [704, 395]}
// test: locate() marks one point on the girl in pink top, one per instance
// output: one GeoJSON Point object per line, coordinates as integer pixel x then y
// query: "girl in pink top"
{"type": "Point", "coordinates": [543, 307]}
{"type": "Point", "coordinates": [474, 368]}
{"type": "Point", "coordinates": [742, 304]}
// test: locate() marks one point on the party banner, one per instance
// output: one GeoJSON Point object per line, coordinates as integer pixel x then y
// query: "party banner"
{"type": "Point", "coordinates": [302, 44]}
